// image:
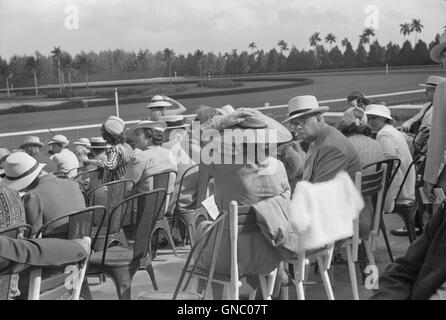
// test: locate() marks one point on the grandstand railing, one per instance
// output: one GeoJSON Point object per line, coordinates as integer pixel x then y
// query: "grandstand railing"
{"type": "Point", "coordinates": [14, 139]}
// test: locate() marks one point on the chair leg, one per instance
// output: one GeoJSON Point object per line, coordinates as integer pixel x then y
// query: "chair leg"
{"type": "Point", "coordinates": [156, 232]}
{"type": "Point", "coordinates": [325, 278]}
{"type": "Point", "coordinates": [166, 228]}
{"type": "Point", "coordinates": [267, 284]}
{"type": "Point", "coordinates": [368, 251]}
{"type": "Point", "coordinates": [352, 271]}
{"type": "Point", "coordinates": [382, 226]}
{"type": "Point", "coordinates": [85, 290]}
{"type": "Point", "coordinates": [151, 273]}
{"type": "Point", "coordinates": [123, 282]}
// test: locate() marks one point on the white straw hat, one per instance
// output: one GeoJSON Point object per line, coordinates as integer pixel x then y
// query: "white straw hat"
{"type": "Point", "coordinates": [148, 124]}
{"type": "Point", "coordinates": [378, 110]}
{"type": "Point", "coordinates": [83, 142]}
{"type": "Point", "coordinates": [59, 138]}
{"type": "Point", "coordinates": [20, 171]}
{"type": "Point", "coordinates": [158, 101]}
{"type": "Point", "coordinates": [31, 140]}
{"type": "Point", "coordinates": [302, 106]}
{"type": "Point", "coordinates": [175, 122]}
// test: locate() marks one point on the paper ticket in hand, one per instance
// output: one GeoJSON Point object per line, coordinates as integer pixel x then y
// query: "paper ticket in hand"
{"type": "Point", "coordinates": [211, 207]}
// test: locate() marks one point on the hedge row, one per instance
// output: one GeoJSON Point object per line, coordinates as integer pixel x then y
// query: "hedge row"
{"type": "Point", "coordinates": [74, 104]}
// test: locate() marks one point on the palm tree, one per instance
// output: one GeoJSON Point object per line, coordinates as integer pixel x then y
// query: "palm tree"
{"type": "Point", "coordinates": [252, 46]}
{"type": "Point", "coordinates": [405, 30]}
{"type": "Point", "coordinates": [169, 56]}
{"type": "Point", "coordinates": [416, 27]}
{"type": "Point", "coordinates": [84, 64]}
{"type": "Point", "coordinates": [314, 40]}
{"type": "Point", "coordinates": [33, 66]}
{"type": "Point", "coordinates": [330, 38]}
{"type": "Point", "coordinates": [283, 46]}
{"type": "Point", "coordinates": [364, 38]}
{"type": "Point", "coordinates": [56, 57]}
{"type": "Point", "coordinates": [345, 42]}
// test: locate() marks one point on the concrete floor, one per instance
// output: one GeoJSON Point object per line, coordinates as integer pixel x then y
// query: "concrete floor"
{"type": "Point", "coordinates": [168, 270]}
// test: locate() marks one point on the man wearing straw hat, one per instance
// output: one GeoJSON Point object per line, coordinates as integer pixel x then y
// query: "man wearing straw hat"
{"type": "Point", "coordinates": [47, 197]}
{"type": "Point", "coordinates": [65, 159]}
{"type": "Point", "coordinates": [417, 128]}
{"type": "Point", "coordinates": [330, 151]}
{"type": "Point", "coordinates": [32, 145]}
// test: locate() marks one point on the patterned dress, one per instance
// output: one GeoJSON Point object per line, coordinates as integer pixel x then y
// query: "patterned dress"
{"type": "Point", "coordinates": [12, 213]}
{"type": "Point", "coordinates": [115, 165]}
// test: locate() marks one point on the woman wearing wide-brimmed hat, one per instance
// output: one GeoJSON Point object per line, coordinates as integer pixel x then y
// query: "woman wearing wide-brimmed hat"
{"type": "Point", "coordinates": [119, 153]}
{"type": "Point", "coordinates": [153, 158]}
{"type": "Point", "coordinates": [379, 118]}
{"type": "Point", "coordinates": [253, 177]}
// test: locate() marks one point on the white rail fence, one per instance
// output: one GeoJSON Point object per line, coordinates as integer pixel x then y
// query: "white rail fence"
{"type": "Point", "coordinates": [14, 139]}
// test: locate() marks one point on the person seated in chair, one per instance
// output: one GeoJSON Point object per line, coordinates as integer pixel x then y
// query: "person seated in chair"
{"type": "Point", "coordinates": [46, 196]}
{"type": "Point", "coordinates": [255, 179]}
{"type": "Point", "coordinates": [32, 145]}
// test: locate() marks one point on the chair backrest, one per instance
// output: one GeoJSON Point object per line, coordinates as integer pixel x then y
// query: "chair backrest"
{"type": "Point", "coordinates": [161, 180]}
{"type": "Point", "coordinates": [16, 232]}
{"type": "Point", "coordinates": [109, 195]}
{"type": "Point", "coordinates": [146, 207]}
{"type": "Point", "coordinates": [79, 224]}
{"type": "Point", "coordinates": [180, 187]}
{"type": "Point", "coordinates": [197, 250]}
{"type": "Point", "coordinates": [90, 179]}
{"type": "Point", "coordinates": [393, 164]}
{"type": "Point", "coordinates": [406, 175]}
{"type": "Point", "coordinates": [65, 284]}
{"type": "Point", "coordinates": [370, 185]}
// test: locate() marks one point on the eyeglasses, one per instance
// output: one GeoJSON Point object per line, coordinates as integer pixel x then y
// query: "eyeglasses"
{"type": "Point", "coordinates": [299, 123]}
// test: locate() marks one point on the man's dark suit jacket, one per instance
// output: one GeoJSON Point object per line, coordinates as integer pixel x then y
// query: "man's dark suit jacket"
{"type": "Point", "coordinates": [422, 270]}
{"type": "Point", "coordinates": [18, 255]}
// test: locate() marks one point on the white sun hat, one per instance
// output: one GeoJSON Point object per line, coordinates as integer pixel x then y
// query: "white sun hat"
{"type": "Point", "coordinates": [59, 138]}
{"type": "Point", "coordinates": [148, 124]}
{"type": "Point", "coordinates": [158, 101]}
{"type": "Point", "coordinates": [20, 171]}
{"type": "Point", "coordinates": [378, 110]}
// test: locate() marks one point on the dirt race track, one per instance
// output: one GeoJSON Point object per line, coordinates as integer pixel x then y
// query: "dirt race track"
{"type": "Point", "coordinates": [326, 86]}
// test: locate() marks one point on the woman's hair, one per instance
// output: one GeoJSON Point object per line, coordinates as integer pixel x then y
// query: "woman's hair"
{"type": "Point", "coordinates": [113, 139]}
{"type": "Point", "coordinates": [156, 135]}
{"type": "Point", "coordinates": [352, 129]}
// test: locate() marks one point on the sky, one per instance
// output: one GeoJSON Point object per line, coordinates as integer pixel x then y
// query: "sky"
{"type": "Point", "coordinates": [209, 25]}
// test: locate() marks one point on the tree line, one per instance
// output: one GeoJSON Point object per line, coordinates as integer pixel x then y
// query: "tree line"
{"type": "Point", "coordinates": [63, 68]}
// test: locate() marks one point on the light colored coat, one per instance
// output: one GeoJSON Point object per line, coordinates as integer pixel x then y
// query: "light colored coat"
{"type": "Point", "coordinates": [436, 154]}
{"type": "Point", "coordinates": [394, 145]}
